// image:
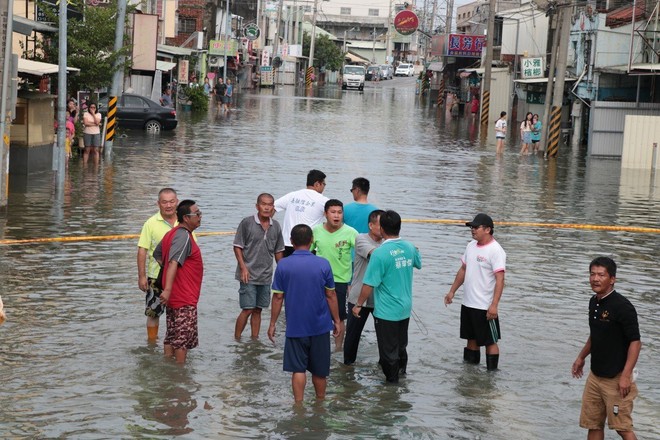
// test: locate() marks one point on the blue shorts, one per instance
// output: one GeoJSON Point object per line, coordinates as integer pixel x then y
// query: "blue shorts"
{"type": "Point", "coordinates": [309, 353]}
{"type": "Point", "coordinates": [252, 296]}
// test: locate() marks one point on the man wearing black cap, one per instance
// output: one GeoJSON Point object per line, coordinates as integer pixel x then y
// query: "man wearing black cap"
{"type": "Point", "coordinates": [482, 274]}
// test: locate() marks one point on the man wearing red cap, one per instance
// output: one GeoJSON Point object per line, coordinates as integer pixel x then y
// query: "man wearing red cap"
{"type": "Point", "coordinates": [482, 274]}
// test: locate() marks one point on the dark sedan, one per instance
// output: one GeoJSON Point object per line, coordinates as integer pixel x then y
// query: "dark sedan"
{"type": "Point", "coordinates": [135, 111]}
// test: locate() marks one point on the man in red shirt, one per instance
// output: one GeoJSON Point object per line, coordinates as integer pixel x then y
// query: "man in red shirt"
{"type": "Point", "coordinates": [183, 270]}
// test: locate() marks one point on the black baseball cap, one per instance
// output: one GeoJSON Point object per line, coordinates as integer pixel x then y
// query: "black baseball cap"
{"type": "Point", "coordinates": [481, 219]}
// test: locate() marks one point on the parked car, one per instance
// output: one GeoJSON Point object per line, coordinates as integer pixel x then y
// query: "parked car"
{"type": "Point", "coordinates": [404, 69]}
{"type": "Point", "coordinates": [135, 111]}
{"type": "Point", "coordinates": [386, 71]}
{"type": "Point", "coordinates": [373, 73]}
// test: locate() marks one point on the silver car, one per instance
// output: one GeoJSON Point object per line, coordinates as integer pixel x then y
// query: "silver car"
{"type": "Point", "coordinates": [386, 71]}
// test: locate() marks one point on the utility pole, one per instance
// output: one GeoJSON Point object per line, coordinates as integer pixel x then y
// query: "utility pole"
{"type": "Point", "coordinates": [551, 72]}
{"type": "Point", "coordinates": [310, 62]}
{"type": "Point", "coordinates": [117, 79]}
{"type": "Point", "coordinates": [388, 48]}
{"type": "Point", "coordinates": [557, 92]}
{"type": "Point", "coordinates": [6, 14]}
{"type": "Point", "coordinates": [485, 83]}
{"type": "Point", "coordinates": [227, 26]}
{"type": "Point", "coordinates": [59, 156]}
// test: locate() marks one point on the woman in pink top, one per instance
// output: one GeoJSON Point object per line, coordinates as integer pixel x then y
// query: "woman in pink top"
{"type": "Point", "coordinates": [92, 133]}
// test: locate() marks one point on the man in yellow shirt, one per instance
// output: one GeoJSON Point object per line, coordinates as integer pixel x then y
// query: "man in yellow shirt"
{"type": "Point", "coordinates": [152, 233]}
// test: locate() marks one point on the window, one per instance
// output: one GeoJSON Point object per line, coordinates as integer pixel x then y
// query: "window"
{"type": "Point", "coordinates": [345, 11]}
{"type": "Point", "coordinates": [307, 8]}
{"type": "Point", "coordinates": [134, 102]}
{"type": "Point", "coordinates": [187, 25]}
{"type": "Point", "coordinates": [373, 12]}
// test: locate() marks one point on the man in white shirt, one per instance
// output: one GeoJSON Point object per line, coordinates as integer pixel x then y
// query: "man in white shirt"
{"type": "Point", "coordinates": [482, 273]}
{"type": "Point", "coordinates": [305, 206]}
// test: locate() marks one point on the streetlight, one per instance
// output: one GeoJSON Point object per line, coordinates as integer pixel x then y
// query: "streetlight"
{"type": "Point", "coordinates": [373, 50]}
{"type": "Point", "coordinates": [345, 32]}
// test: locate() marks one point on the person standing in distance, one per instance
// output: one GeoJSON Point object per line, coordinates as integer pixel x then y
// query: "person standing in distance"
{"type": "Point", "coordinates": [614, 344]}
{"type": "Point", "coordinates": [482, 275]}
{"type": "Point", "coordinates": [183, 270]}
{"type": "Point", "coordinates": [258, 240]}
{"type": "Point", "coordinates": [390, 277]}
{"type": "Point", "coordinates": [152, 233]}
{"type": "Point", "coordinates": [356, 214]}
{"type": "Point", "coordinates": [305, 206]}
{"type": "Point", "coordinates": [335, 241]}
{"type": "Point", "coordinates": [500, 132]}
{"type": "Point", "coordinates": [365, 244]}
{"type": "Point", "coordinates": [304, 281]}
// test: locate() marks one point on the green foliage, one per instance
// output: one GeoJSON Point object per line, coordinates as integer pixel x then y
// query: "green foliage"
{"type": "Point", "coordinates": [326, 53]}
{"type": "Point", "coordinates": [90, 47]}
{"type": "Point", "coordinates": [198, 99]}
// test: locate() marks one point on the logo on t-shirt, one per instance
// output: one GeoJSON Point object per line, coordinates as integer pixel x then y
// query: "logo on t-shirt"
{"type": "Point", "coordinates": [605, 316]}
{"type": "Point", "coordinates": [481, 259]}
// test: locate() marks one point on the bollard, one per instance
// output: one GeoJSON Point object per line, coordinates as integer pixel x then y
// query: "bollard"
{"type": "Point", "coordinates": [112, 119]}
{"type": "Point", "coordinates": [441, 94]}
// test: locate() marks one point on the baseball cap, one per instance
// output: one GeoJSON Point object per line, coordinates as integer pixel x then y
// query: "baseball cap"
{"type": "Point", "coordinates": [481, 219]}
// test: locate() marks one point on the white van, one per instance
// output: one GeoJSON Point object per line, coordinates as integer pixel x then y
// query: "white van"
{"type": "Point", "coordinates": [404, 69]}
{"type": "Point", "coordinates": [353, 76]}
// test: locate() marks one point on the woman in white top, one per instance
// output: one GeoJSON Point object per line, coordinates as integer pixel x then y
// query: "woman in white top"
{"type": "Point", "coordinates": [92, 133]}
{"type": "Point", "coordinates": [500, 132]}
{"type": "Point", "coordinates": [526, 133]}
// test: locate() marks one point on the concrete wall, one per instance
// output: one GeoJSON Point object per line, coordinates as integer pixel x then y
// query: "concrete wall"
{"type": "Point", "coordinates": [533, 33]}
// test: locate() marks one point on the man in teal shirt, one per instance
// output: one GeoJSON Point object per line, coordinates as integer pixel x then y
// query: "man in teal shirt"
{"type": "Point", "coordinates": [390, 277]}
{"type": "Point", "coordinates": [335, 241]}
{"type": "Point", "coordinates": [356, 214]}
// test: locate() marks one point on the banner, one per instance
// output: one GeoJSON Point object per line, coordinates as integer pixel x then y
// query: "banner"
{"type": "Point", "coordinates": [466, 45]}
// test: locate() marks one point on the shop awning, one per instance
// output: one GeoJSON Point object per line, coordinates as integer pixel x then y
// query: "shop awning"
{"type": "Point", "coordinates": [38, 68]}
{"type": "Point", "coordinates": [174, 51]}
{"type": "Point", "coordinates": [355, 58]}
{"type": "Point", "coordinates": [164, 66]}
{"type": "Point", "coordinates": [25, 26]}
{"type": "Point", "coordinates": [540, 80]}
{"type": "Point", "coordinates": [436, 66]}
{"type": "Point", "coordinates": [481, 70]}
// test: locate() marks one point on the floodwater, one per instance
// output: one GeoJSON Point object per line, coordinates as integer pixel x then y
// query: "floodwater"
{"type": "Point", "coordinates": [74, 361]}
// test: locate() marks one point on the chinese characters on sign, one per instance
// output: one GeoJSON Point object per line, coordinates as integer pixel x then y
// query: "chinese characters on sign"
{"type": "Point", "coordinates": [217, 47]}
{"type": "Point", "coordinates": [183, 72]}
{"type": "Point", "coordinates": [532, 68]}
{"type": "Point", "coordinates": [466, 45]}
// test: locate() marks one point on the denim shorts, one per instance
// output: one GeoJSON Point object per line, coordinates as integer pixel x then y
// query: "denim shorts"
{"type": "Point", "coordinates": [253, 296]}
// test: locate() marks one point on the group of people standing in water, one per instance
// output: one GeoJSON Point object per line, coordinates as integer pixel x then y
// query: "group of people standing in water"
{"type": "Point", "coordinates": [530, 133]}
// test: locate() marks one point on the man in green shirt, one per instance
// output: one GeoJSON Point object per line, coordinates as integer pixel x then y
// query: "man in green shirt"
{"type": "Point", "coordinates": [335, 241]}
{"type": "Point", "coordinates": [390, 277]}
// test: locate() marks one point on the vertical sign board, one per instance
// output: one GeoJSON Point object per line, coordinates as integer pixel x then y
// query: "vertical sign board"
{"type": "Point", "coordinates": [145, 42]}
{"type": "Point", "coordinates": [267, 76]}
{"type": "Point", "coordinates": [183, 72]}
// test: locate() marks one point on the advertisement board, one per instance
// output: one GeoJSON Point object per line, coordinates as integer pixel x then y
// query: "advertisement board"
{"type": "Point", "coordinates": [217, 47]}
{"type": "Point", "coordinates": [182, 75]}
{"type": "Point", "coordinates": [466, 45]}
{"type": "Point", "coordinates": [531, 68]}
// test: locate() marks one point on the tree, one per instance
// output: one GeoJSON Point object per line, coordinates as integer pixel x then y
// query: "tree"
{"type": "Point", "coordinates": [326, 53]}
{"type": "Point", "coordinates": [90, 46]}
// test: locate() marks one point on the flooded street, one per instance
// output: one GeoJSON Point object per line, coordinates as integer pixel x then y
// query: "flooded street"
{"type": "Point", "coordinates": [74, 361]}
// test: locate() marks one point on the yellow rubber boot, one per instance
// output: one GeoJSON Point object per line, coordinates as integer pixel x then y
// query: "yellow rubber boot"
{"type": "Point", "coordinates": [152, 334]}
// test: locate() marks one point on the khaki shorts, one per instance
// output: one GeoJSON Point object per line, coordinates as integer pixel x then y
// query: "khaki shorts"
{"type": "Point", "coordinates": [601, 399]}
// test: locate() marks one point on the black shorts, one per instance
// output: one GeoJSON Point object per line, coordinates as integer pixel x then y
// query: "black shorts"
{"type": "Point", "coordinates": [342, 290]}
{"type": "Point", "coordinates": [474, 325]}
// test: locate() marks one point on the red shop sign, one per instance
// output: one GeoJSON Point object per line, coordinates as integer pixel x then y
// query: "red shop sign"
{"type": "Point", "coordinates": [406, 22]}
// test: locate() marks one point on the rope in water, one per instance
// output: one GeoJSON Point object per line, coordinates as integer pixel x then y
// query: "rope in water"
{"type": "Point", "coordinates": [83, 238]}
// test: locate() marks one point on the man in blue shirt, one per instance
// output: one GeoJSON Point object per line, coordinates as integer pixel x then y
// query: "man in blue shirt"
{"type": "Point", "coordinates": [356, 214]}
{"type": "Point", "coordinates": [390, 277]}
{"type": "Point", "coordinates": [306, 283]}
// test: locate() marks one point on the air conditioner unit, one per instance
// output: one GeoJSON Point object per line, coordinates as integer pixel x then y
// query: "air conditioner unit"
{"type": "Point", "coordinates": [216, 61]}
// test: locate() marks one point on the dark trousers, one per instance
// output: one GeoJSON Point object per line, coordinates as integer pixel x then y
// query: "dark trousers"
{"type": "Point", "coordinates": [354, 327]}
{"type": "Point", "coordinates": [392, 342]}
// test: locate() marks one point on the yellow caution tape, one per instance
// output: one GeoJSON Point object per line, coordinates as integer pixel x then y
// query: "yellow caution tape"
{"type": "Point", "coordinates": [80, 238]}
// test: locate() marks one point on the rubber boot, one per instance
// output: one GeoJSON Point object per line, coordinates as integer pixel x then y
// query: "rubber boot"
{"type": "Point", "coordinates": [471, 356]}
{"type": "Point", "coordinates": [491, 361]}
{"type": "Point", "coordinates": [152, 334]}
